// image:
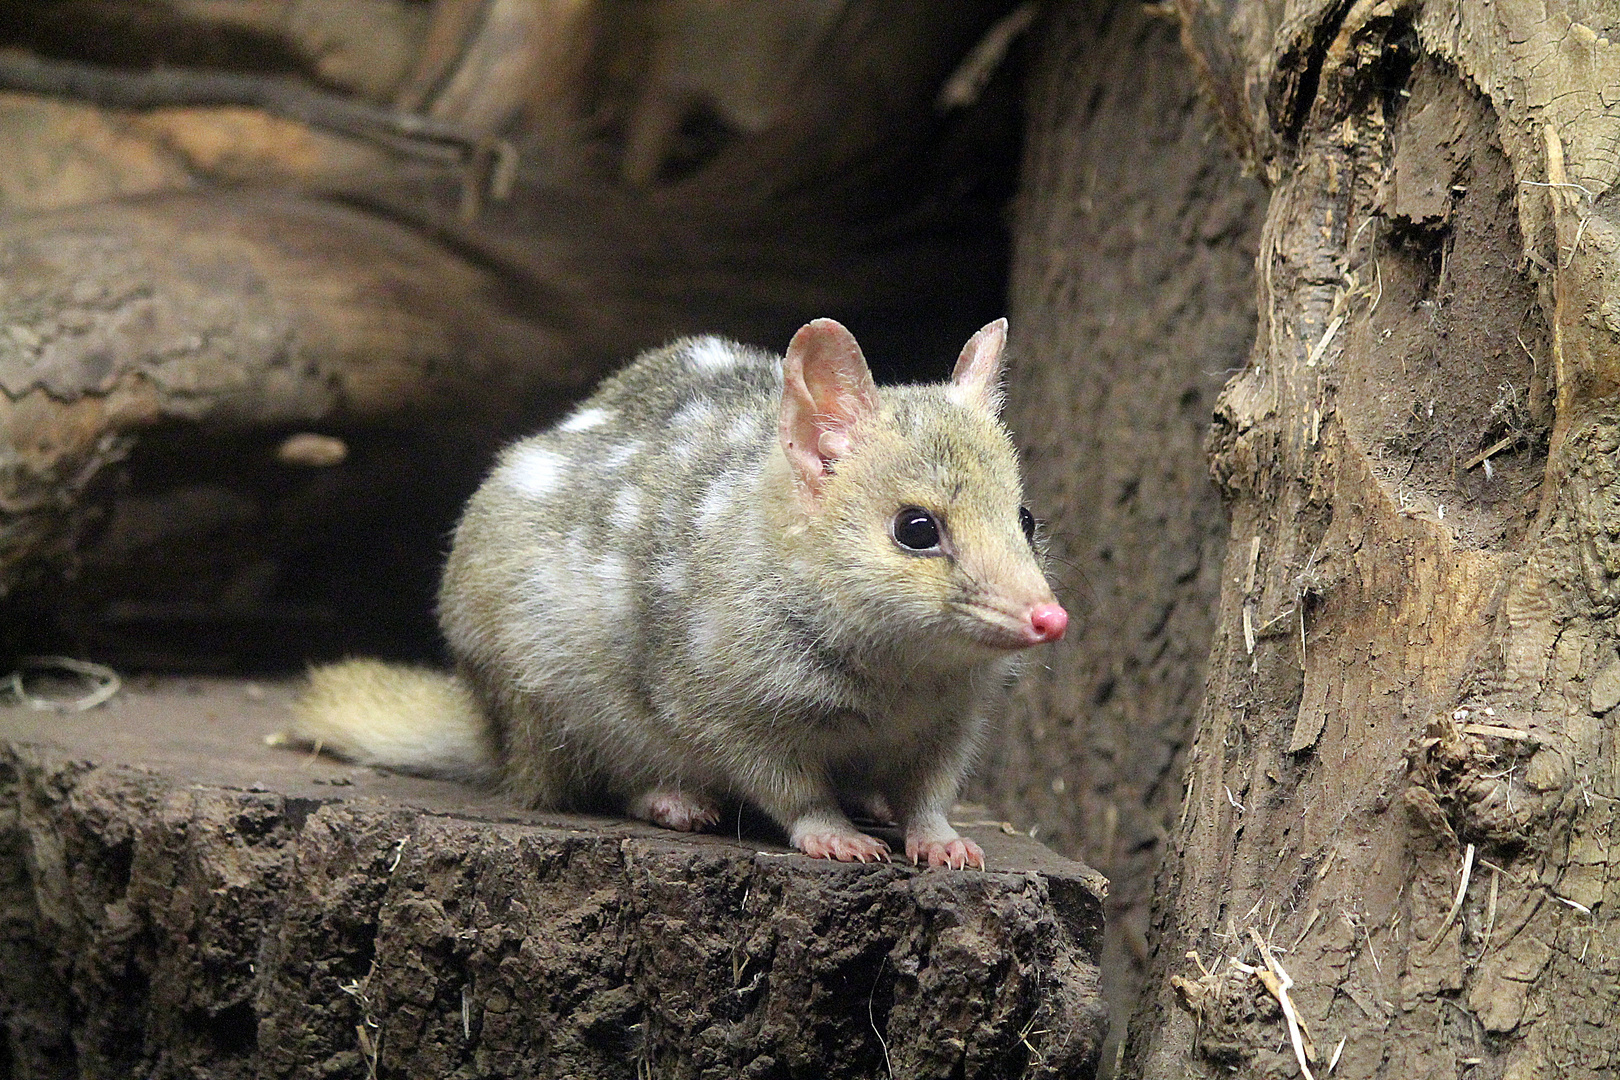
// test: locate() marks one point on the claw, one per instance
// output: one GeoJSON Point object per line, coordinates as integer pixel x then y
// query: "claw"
{"type": "Point", "coordinates": [958, 853]}
{"type": "Point", "coordinates": [843, 847]}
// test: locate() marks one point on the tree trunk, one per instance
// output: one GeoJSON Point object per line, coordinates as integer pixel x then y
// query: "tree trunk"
{"type": "Point", "coordinates": [1401, 797]}
{"type": "Point", "coordinates": [1130, 301]}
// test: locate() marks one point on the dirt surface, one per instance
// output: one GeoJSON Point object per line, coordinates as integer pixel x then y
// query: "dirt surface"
{"type": "Point", "coordinates": [178, 898]}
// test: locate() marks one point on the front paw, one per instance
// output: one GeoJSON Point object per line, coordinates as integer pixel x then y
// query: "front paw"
{"type": "Point", "coordinates": [957, 853]}
{"type": "Point", "coordinates": [842, 846]}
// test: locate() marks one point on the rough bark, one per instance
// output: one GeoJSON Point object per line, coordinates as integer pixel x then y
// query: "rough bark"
{"type": "Point", "coordinates": [177, 899]}
{"type": "Point", "coordinates": [1131, 299]}
{"type": "Point", "coordinates": [1403, 789]}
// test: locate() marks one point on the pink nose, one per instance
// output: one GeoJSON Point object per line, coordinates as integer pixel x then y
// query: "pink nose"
{"type": "Point", "coordinates": [1047, 622]}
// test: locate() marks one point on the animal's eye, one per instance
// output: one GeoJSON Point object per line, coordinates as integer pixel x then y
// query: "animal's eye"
{"type": "Point", "coordinates": [915, 529]}
{"type": "Point", "coordinates": [1026, 521]}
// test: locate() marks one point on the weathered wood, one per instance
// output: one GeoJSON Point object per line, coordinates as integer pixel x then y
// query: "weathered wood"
{"type": "Point", "coordinates": [1403, 789]}
{"type": "Point", "coordinates": [366, 48]}
{"type": "Point", "coordinates": [176, 898]}
{"type": "Point", "coordinates": [263, 313]}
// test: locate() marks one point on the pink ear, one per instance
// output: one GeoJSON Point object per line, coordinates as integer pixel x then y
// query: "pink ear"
{"type": "Point", "coordinates": [977, 378]}
{"type": "Point", "coordinates": [826, 390]}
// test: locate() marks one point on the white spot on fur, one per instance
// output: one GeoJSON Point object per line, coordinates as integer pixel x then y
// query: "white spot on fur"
{"type": "Point", "coordinates": [695, 413]}
{"type": "Point", "coordinates": [626, 512]}
{"type": "Point", "coordinates": [716, 501]}
{"type": "Point", "coordinates": [671, 578]}
{"type": "Point", "coordinates": [706, 631]}
{"type": "Point", "coordinates": [536, 471]}
{"type": "Point", "coordinates": [712, 354]}
{"type": "Point", "coordinates": [743, 429]}
{"type": "Point", "coordinates": [613, 587]}
{"type": "Point", "coordinates": [619, 454]}
{"type": "Point", "coordinates": [538, 596]}
{"type": "Point", "coordinates": [585, 419]}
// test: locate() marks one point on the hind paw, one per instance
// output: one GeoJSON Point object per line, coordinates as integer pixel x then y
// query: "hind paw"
{"type": "Point", "coordinates": [683, 811]}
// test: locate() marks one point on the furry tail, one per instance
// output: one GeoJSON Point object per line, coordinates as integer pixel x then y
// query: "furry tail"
{"type": "Point", "coordinates": [405, 718]}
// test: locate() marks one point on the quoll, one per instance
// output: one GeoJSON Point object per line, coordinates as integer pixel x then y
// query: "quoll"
{"type": "Point", "coordinates": [730, 577]}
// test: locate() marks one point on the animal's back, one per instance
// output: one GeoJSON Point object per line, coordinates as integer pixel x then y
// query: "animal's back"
{"type": "Point", "coordinates": [573, 564]}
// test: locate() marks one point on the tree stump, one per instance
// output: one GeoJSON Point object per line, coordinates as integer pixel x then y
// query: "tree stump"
{"type": "Point", "coordinates": [177, 897]}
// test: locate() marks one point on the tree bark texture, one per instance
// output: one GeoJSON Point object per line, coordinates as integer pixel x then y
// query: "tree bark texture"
{"type": "Point", "coordinates": [158, 352]}
{"type": "Point", "coordinates": [1130, 303]}
{"type": "Point", "coordinates": [1397, 843]}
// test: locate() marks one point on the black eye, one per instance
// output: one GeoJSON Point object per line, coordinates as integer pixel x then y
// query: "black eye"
{"type": "Point", "coordinates": [915, 530]}
{"type": "Point", "coordinates": [1026, 521]}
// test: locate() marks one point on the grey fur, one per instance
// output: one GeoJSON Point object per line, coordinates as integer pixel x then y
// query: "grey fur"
{"type": "Point", "coordinates": [651, 597]}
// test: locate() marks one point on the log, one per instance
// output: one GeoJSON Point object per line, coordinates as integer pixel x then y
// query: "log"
{"type": "Point", "coordinates": [202, 330]}
{"type": "Point", "coordinates": [178, 899]}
